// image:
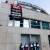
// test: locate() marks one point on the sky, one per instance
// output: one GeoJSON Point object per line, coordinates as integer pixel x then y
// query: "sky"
{"type": "Point", "coordinates": [45, 4]}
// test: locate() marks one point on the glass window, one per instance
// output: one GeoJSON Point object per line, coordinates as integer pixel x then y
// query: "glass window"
{"type": "Point", "coordinates": [3, 0]}
{"type": "Point", "coordinates": [17, 23]}
{"type": "Point", "coordinates": [0, 1]}
{"type": "Point", "coordinates": [35, 24]}
{"type": "Point", "coordinates": [10, 23]}
{"type": "Point", "coordinates": [28, 7]}
{"type": "Point", "coordinates": [38, 10]}
{"type": "Point", "coordinates": [26, 23]}
{"type": "Point", "coordinates": [45, 25]}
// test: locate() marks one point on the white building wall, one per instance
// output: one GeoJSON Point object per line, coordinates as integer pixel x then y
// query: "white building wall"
{"type": "Point", "coordinates": [10, 37]}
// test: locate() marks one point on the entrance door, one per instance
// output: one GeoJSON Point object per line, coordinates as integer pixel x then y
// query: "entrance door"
{"type": "Point", "coordinates": [25, 39]}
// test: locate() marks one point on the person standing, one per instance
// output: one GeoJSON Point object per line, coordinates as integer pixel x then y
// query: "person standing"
{"type": "Point", "coordinates": [37, 46]}
{"type": "Point", "coordinates": [31, 46]}
{"type": "Point", "coordinates": [26, 47]}
{"type": "Point", "coordinates": [21, 47]}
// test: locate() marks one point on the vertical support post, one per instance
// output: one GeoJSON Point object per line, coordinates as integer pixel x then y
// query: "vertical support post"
{"type": "Point", "coordinates": [40, 25]}
{"type": "Point", "coordinates": [29, 23]}
{"type": "Point", "coordinates": [30, 39]}
{"type": "Point", "coordinates": [21, 22]}
{"type": "Point", "coordinates": [49, 26]}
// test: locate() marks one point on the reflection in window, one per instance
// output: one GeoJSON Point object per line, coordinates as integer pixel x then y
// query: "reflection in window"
{"type": "Point", "coordinates": [17, 23]}
{"type": "Point", "coordinates": [35, 24]}
{"type": "Point", "coordinates": [10, 23]}
{"type": "Point", "coordinates": [45, 25]}
{"type": "Point", "coordinates": [26, 23]}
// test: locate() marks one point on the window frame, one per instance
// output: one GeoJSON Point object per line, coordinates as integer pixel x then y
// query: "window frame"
{"type": "Point", "coordinates": [11, 23]}
{"type": "Point", "coordinates": [17, 24]}
{"type": "Point", "coordinates": [45, 27]}
{"type": "Point", "coordinates": [35, 25]}
{"type": "Point", "coordinates": [26, 24]}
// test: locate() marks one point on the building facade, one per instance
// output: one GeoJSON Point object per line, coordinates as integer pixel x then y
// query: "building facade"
{"type": "Point", "coordinates": [34, 26]}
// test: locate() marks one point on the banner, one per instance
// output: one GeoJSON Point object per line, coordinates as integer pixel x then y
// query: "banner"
{"type": "Point", "coordinates": [16, 11]}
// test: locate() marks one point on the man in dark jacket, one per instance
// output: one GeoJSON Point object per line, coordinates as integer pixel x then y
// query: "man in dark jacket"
{"type": "Point", "coordinates": [21, 47]}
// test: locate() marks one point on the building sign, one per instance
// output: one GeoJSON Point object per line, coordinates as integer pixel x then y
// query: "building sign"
{"type": "Point", "coordinates": [16, 11]}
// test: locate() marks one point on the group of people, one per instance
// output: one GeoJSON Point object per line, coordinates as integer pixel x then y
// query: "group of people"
{"type": "Point", "coordinates": [30, 46]}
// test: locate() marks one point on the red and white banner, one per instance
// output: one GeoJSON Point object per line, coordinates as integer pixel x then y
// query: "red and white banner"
{"type": "Point", "coordinates": [17, 7]}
